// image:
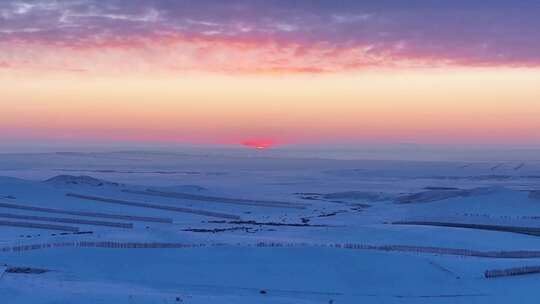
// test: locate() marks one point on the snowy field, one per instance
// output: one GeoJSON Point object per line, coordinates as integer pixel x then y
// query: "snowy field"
{"type": "Point", "coordinates": [140, 227]}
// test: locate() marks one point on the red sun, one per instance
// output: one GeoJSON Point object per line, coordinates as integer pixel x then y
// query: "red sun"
{"type": "Point", "coordinates": [258, 144]}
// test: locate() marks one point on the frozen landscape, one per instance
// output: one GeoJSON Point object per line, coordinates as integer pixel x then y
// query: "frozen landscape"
{"type": "Point", "coordinates": [170, 227]}
{"type": "Point", "coordinates": [269, 152]}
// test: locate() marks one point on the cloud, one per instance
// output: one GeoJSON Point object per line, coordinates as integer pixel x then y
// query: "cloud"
{"type": "Point", "coordinates": [281, 35]}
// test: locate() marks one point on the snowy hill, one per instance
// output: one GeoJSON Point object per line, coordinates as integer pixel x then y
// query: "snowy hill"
{"type": "Point", "coordinates": [264, 232]}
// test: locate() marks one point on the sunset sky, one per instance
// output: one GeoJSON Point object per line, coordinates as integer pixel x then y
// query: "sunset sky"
{"type": "Point", "coordinates": [270, 72]}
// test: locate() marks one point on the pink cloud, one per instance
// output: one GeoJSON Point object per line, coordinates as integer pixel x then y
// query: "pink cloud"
{"type": "Point", "coordinates": [179, 53]}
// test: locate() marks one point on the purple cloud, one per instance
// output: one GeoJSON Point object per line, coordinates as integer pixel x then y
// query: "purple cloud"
{"type": "Point", "coordinates": [461, 32]}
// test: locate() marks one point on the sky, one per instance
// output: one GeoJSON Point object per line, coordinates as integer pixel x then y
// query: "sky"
{"type": "Point", "coordinates": [269, 73]}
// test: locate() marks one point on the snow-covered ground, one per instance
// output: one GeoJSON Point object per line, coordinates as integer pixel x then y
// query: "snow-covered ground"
{"type": "Point", "coordinates": [139, 227]}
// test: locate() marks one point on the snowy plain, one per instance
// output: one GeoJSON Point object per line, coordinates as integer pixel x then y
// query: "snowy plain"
{"type": "Point", "coordinates": [145, 227]}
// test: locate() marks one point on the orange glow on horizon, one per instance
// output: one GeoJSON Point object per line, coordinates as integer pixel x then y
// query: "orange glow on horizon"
{"type": "Point", "coordinates": [437, 105]}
